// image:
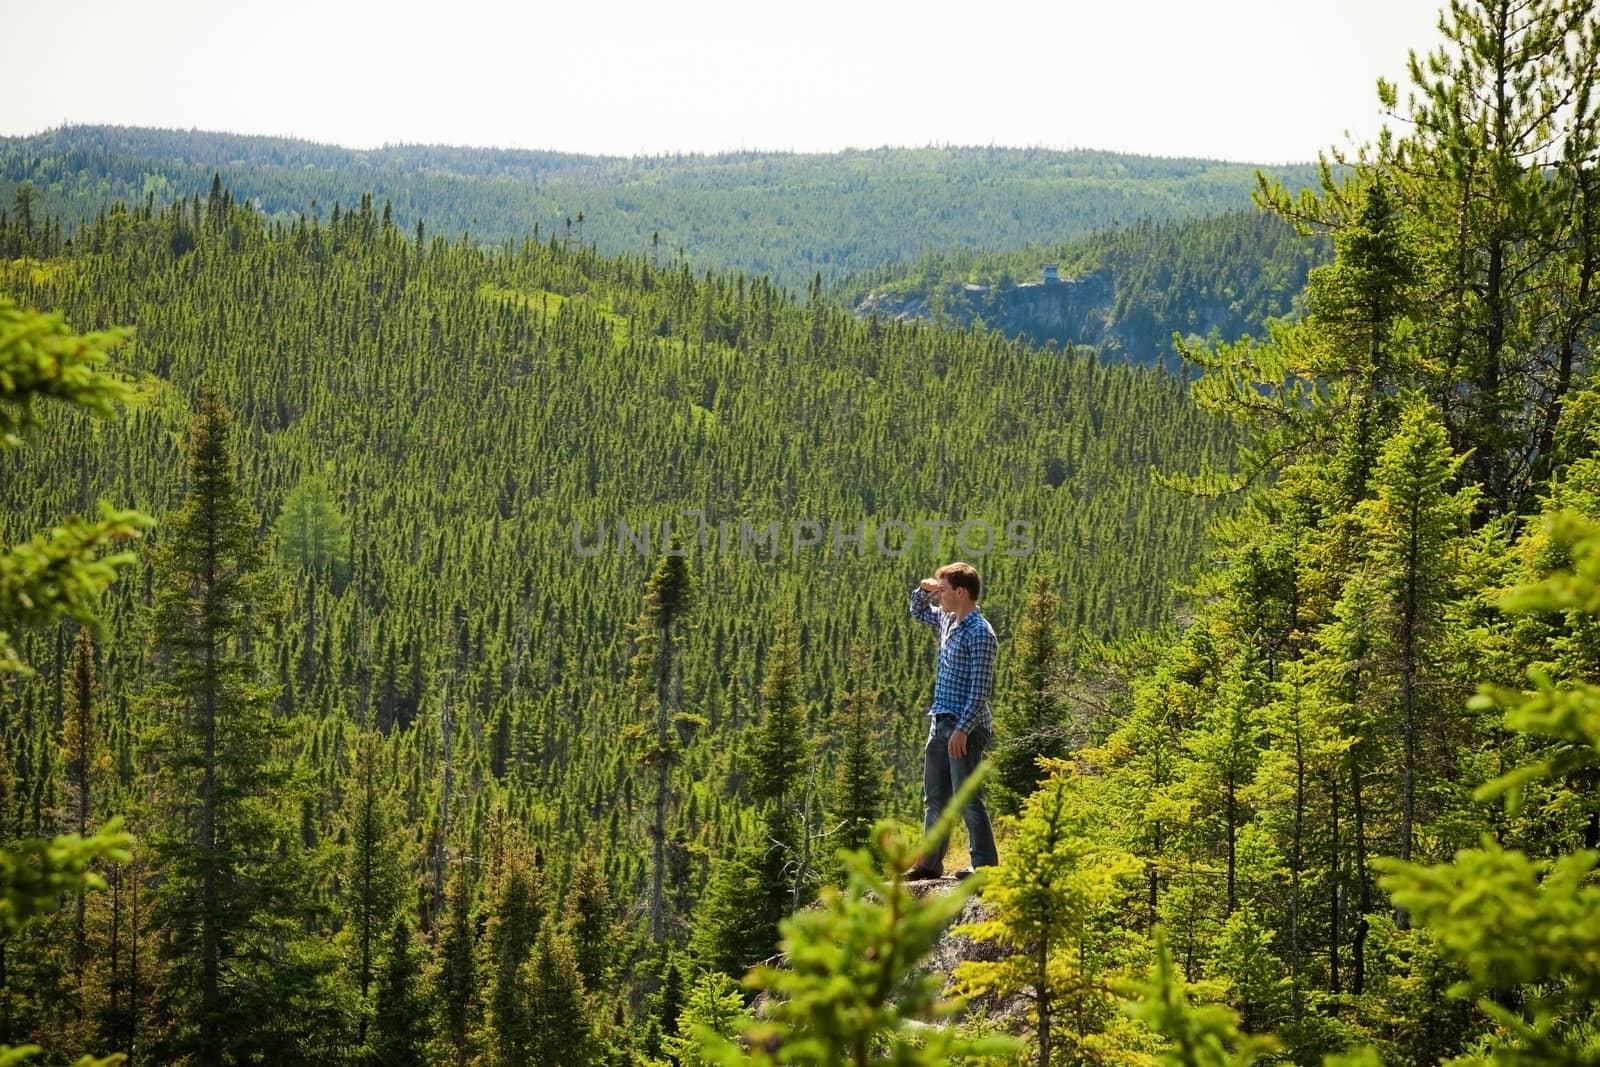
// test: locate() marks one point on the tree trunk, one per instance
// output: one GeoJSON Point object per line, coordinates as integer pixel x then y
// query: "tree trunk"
{"type": "Point", "coordinates": [1358, 950]}
{"type": "Point", "coordinates": [211, 1052]}
{"type": "Point", "coordinates": [1041, 989]}
{"type": "Point", "coordinates": [1334, 902]}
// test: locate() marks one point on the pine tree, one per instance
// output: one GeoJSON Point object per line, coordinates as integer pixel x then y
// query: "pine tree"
{"type": "Point", "coordinates": [231, 890]}
{"type": "Point", "coordinates": [1053, 906]}
{"type": "Point", "coordinates": [667, 601]}
{"type": "Point", "coordinates": [858, 791]}
{"type": "Point", "coordinates": [399, 1037]}
{"type": "Point", "coordinates": [375, 867]}
{"type": "Point", "coordinates": [562, 1034]}
{"type": "Point", "coordinates": [455, 977]}
{"type": "Point", "coordinates": [1484, 164]}
{"type": "Point", "coordinates": [1030, 722]}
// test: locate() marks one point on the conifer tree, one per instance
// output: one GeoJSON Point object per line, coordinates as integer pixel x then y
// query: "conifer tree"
{"type": "Point", "coordinates": [375, 867]}
{"type": "Point", "coordinates": [849, 993]}
{"type": "Point", "coordinates": [66, 571]}
{"type": "Point", "coordinates": [455, 976]}
{"type": "Point", "coordinates": [1508, 919]}
{"type": "Point", "coordinates": [231, 884]}
{"type": "Point", "coordinates": [778, 751]}
{"type": "Point", "coordinates": [1030, 722]}
{"type": "Point", "coordinates": [83, 753]}
{"type": "Point", "coordinates": [514, 923]}
{"type": "Point", "coordinates": [1053, 911]}
{"type": "Point", "coordinates": [713, 1012]}
{"type": "Point", "coordinates": [311, 531]}
{"type": "Point", "coordinates": [561, 1031]}
{"type": "Point", "coordinates": [1412, 524]}
{"type": "Point", "coordinates": [591, 923]}
{"type": "Point", "coordinates": [1490, 114]}
{"type": "Point", "coordinates": [667, 601]}
{"type": "Point", "coordinates": [858, 791]}
{"type": "Point", "coordinates": [399, 1034]}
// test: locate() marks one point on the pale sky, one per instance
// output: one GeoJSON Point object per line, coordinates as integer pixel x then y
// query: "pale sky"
{"type": "Point", "coordinates": [1262, 81]}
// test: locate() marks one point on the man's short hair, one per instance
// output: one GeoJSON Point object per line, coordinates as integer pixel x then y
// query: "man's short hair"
{"type": "Point", "coordinates": [962, 576]}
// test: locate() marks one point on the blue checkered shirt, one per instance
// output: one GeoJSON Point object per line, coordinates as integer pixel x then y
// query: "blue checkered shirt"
{"type": "Point", "coordinates": [964, 682]}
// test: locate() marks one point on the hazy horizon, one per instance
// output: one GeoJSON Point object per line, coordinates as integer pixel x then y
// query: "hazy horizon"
{"type": "Point", "coordinates": [666, 154]}
{"type": "Point", "coordinates": [1238, 80]}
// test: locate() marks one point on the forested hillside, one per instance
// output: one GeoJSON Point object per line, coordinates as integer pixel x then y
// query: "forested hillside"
{"type": "Point", "coordinates": [419, 424]}
{"type": "Point", "coordinates": [787, 216]}
{"type": "Point", "coordinates": [427, 759]}
{"type": "Point", "coordinates": [1125, 291]}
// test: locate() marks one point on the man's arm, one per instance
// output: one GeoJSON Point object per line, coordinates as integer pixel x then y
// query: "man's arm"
{"type": "Point", "coordinates": [977, 677]}
{"type": "Point", "coordinates": [921, 610]}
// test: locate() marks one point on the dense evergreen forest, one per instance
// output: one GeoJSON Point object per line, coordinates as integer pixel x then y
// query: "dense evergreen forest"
{"type": "Point", "coordinates": [419, 424]}
{"type": "Point", "coordinates": [787, 216]}
{"type": "Point", "coordinates": [1124, 291]}
{"type": "Point", "coordinates": [413, 774]}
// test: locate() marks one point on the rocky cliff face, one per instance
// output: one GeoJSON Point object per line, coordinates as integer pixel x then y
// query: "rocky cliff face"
{"type": "Point", "coordinates": [1075, 311]}
{"type": "Point", "coordinates": [952, 949]}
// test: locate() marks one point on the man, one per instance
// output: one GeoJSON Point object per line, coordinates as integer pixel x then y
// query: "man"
{"type": "Point", "coordinates": [962, 724]}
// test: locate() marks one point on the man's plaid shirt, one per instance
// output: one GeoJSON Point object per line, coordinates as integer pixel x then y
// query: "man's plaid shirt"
{"type": "Point", "coordinates": [964, 682]}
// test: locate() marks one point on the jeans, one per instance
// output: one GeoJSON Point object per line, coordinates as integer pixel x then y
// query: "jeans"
{"type": "Point", "coordinates": [941, 777]}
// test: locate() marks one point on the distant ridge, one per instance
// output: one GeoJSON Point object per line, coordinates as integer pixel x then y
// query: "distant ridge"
{"type": "Point", "coordinates": [791, 216]}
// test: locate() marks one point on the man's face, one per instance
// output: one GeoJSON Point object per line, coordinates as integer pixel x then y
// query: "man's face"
{"type": "Point", "coordinates": [949, 597]}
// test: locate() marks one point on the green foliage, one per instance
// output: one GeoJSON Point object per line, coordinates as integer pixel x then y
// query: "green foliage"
{"type": "Point", "coordinates": [778, 751]}
{"type": "Point", "coordinates": [592, 924]}
{"type": "Point", "coordinates": [399, 1028]}
{"type": "Point", "coordinates": [858, 783]}
{"type": "Point", "coordinates": [787, 215]}
{"type": "Point", "coordinates": [455, 975]}
{"type": "Point", "coordinates": [561, 1033]}
{"type": "Point", "coordinates": [1051, 908]}
{"type": "Point", "coordinates": [311, 531]}
{"type": "Point", "coordinates": [1511, 921]}
{"type": "Point", "coordinates": [65, 571]}
{"type": "Point", "coordinates": [1199, 1035]}
{"type": "Point", "coordinates": [232, 895]}
{"type": "Point", "coordinates": [1030, 719]}
{"type": "Point", "coordinates": [848, 993]}
{"type": "Point", "coordinates": [42, 359]}
{"type": "Point", "coordinates": [35, 875]}
{"type": "Point", "coordinates": [713, 1015]}
{"type": "Point", "coordinates": [487, 419]}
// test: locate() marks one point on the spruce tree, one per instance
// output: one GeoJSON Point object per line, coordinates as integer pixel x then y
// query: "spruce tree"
{"type": "Point", "coordinates": [375, 867]}
{"type": "Point", "coordinates": [591, 923]}
{"type": "Point", "coordinates": [858, 790]}
{"type": "Point", "coordinates": [231, 887]}
{"type": "Point", "coordinates": [399, 1034]}
{"type": "Point", "coordinates": [1413, 526]}
{"type": "Point", "coordinates": [516, 917]}
{"type": "Point", "coordinates": [1030, 720]}
{"type": "Point", "coordinates": [561, 1031]}
{"type": "Point", "coordinates": [1052, 907]}
{"type": "Point", "coordinates": [667, 600]}
{"type": "Point", "coordinates": [455, 974]}
{"type": "Point", "coordinates": [83, 753]}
